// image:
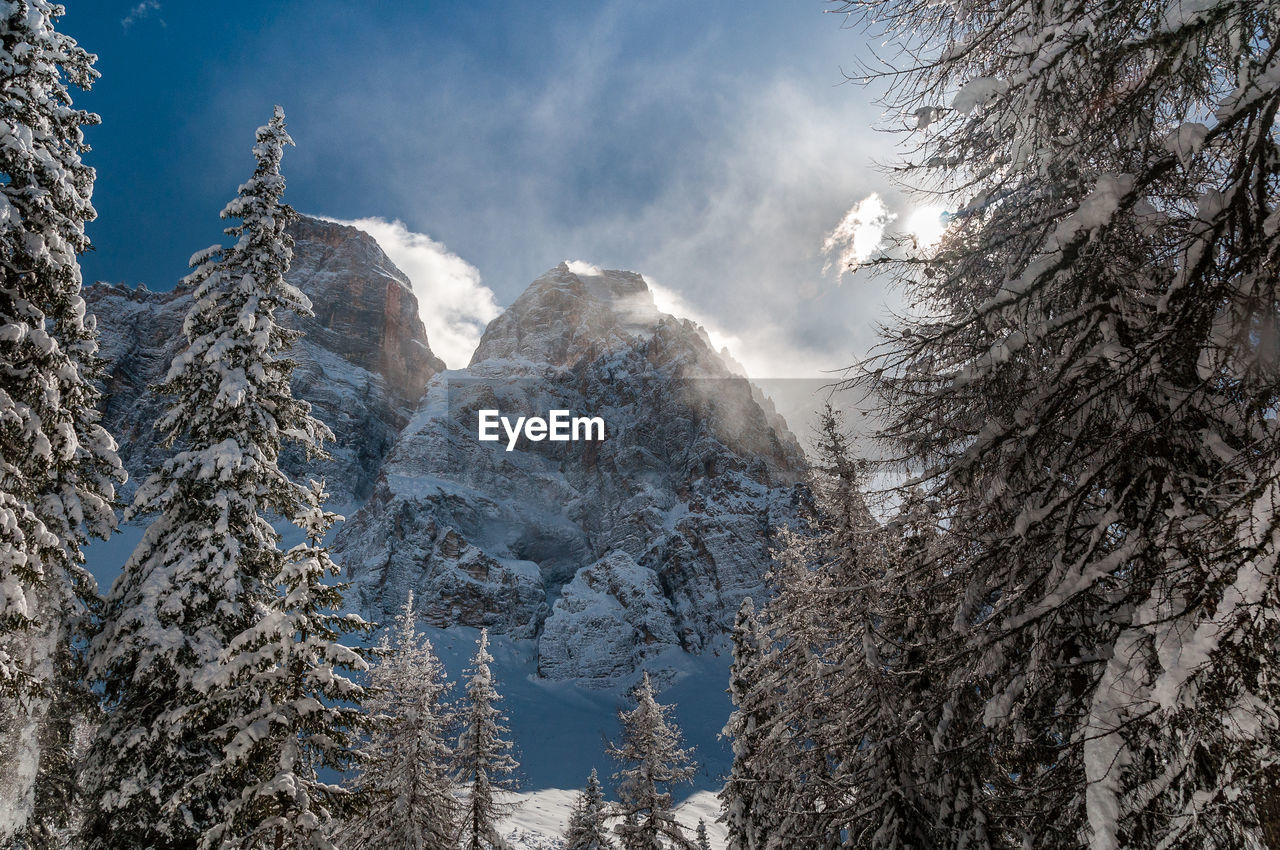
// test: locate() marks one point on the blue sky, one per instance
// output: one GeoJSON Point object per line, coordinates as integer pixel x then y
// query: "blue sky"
{"type": "Point", "coordinates": [710, 145]}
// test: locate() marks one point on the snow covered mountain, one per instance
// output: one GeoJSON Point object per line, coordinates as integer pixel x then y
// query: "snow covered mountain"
{"type": "Point", "coordinates": [608, 555]}
{"type": "Point", "coordinates": [363, 362]}
{"type": "Point", "coordinates": [612, 554]}
{"type": "Point", "coordinates": [588, 560]}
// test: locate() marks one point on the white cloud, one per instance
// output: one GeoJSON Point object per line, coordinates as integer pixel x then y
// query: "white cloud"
{"type": "Point", "coordinates": [725, 198]}
{"type": "Point", "coordinates": [140, 11]}
{"type": "Point", "coordinates": [454, 304]}
{"type": "Point", "coordinates": [583, 267]}
{"type": "Point", "coordinates": [764, 350]}
{"type": "Point", "coordinates": [738, 234]}
{"type": "Point", "coordinates": [858, 235]}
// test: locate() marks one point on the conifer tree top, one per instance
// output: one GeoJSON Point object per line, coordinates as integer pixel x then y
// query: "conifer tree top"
{"type": "Point", "coordinates": [48, 188]}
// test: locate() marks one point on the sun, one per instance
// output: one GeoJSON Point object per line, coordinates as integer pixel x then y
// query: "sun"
{"type": "Point", "coordinates": [926, 224]}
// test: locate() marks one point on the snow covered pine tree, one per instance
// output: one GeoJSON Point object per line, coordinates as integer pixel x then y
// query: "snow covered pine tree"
{"type": "Point", "coordinates": [829, 745]}
{"type": "Point", "coordinates": [868, 606]}
{"type": "Point", "coordinates": [221, 666]}
{"type": "Point", "coordinates": [782, 790]}
{"type": "Point", "coordinates": [748, 796]}
{"type": "Point", "coordinates": [405, 784]}
{"type": "Point", "coordinates": [58, 467]}
{"type": "Point", "coordinates": [484, 759]}
{"type": "Point", "coordinates": [1086, 387]}
{"type": "Point", "coordinates": [586, 829]}
{"type": "Point", "coordinates": [653, 761]}
{"type": "Point", "coordinates": [700, 838]}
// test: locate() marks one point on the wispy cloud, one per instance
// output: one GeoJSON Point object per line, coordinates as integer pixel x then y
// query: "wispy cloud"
{"type": "Point", "coordinates": [734, 236]}
{"type": "Point", "coordinates": [140, 11]}
{"type": "Point", "coordinates": [672, 302]}
{"type": "Point", "coordinates": [455, 306]}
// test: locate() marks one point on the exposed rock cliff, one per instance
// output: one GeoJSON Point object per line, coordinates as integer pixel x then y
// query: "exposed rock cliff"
{"type": "Point", "coordinates": [363, 362]}
{"type": "Point", "coordinates": [610, 554]}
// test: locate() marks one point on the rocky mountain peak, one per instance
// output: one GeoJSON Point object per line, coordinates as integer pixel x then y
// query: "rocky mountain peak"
{"type": "Point", "coordinates": [363, 361]}
{"type": "Point", "coordinates": [365, 309]}
{"type": "Point", "coordinates": [570, 312]}
{"type": "Point", "coordinates": [613, 554]}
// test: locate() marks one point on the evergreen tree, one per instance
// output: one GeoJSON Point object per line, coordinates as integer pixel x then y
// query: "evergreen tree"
{"type": "Point", "coordinates": [220, 669]}
{"type": "Point", "coordinates": [484, 759]}
{"type": "Point", "coordinates": [57, 816]}
{"type": "Point", "coordinates": [653, 761]}
{"type": "Point", "coordinates": [831, 739]}
{"type": "Point", "coordinates": [804, 797]}
{"type": "Point", "coordinates": [586, 829]}
{"type": "Point", "coordinates": [291, 708]}
{"type": "Point", "coordinates": [405, 783]}
{"type": "Point", "coordinates": [747, 799]}
{"type": "Point", "coordinates": [700, 837]}
{"type": "Point", "coordinates": [877, 585]}
{"type": "Point", "coordinates": [1087, 391]}
{"type": "Point", "coordinates": [58, 467]}
{"type": "Point", "coordinates": [806, 686]}
{"type": "Point", "coordinates": [890, 764]}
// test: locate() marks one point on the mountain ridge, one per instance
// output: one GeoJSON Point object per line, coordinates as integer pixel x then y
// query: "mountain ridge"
{"type": "Point", "coordinates": [364, 343]}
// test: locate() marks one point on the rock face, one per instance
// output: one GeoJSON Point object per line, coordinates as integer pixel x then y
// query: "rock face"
{"type": "Point", "coordinates": [363, 362]}
{"type": "Point", "coordinates": [365, 309]}
{"type": "Point", "coordinates": [609, 553]}
{"type": "Point", "coordinates": [607, 622]}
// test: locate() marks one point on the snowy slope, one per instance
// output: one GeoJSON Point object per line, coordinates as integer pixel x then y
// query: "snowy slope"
{"type": "Point", "coordinates": [541, 817]}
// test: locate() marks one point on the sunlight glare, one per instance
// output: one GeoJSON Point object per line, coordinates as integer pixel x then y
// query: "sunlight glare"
{"type": "Point", "coordinates": [926, 224]}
